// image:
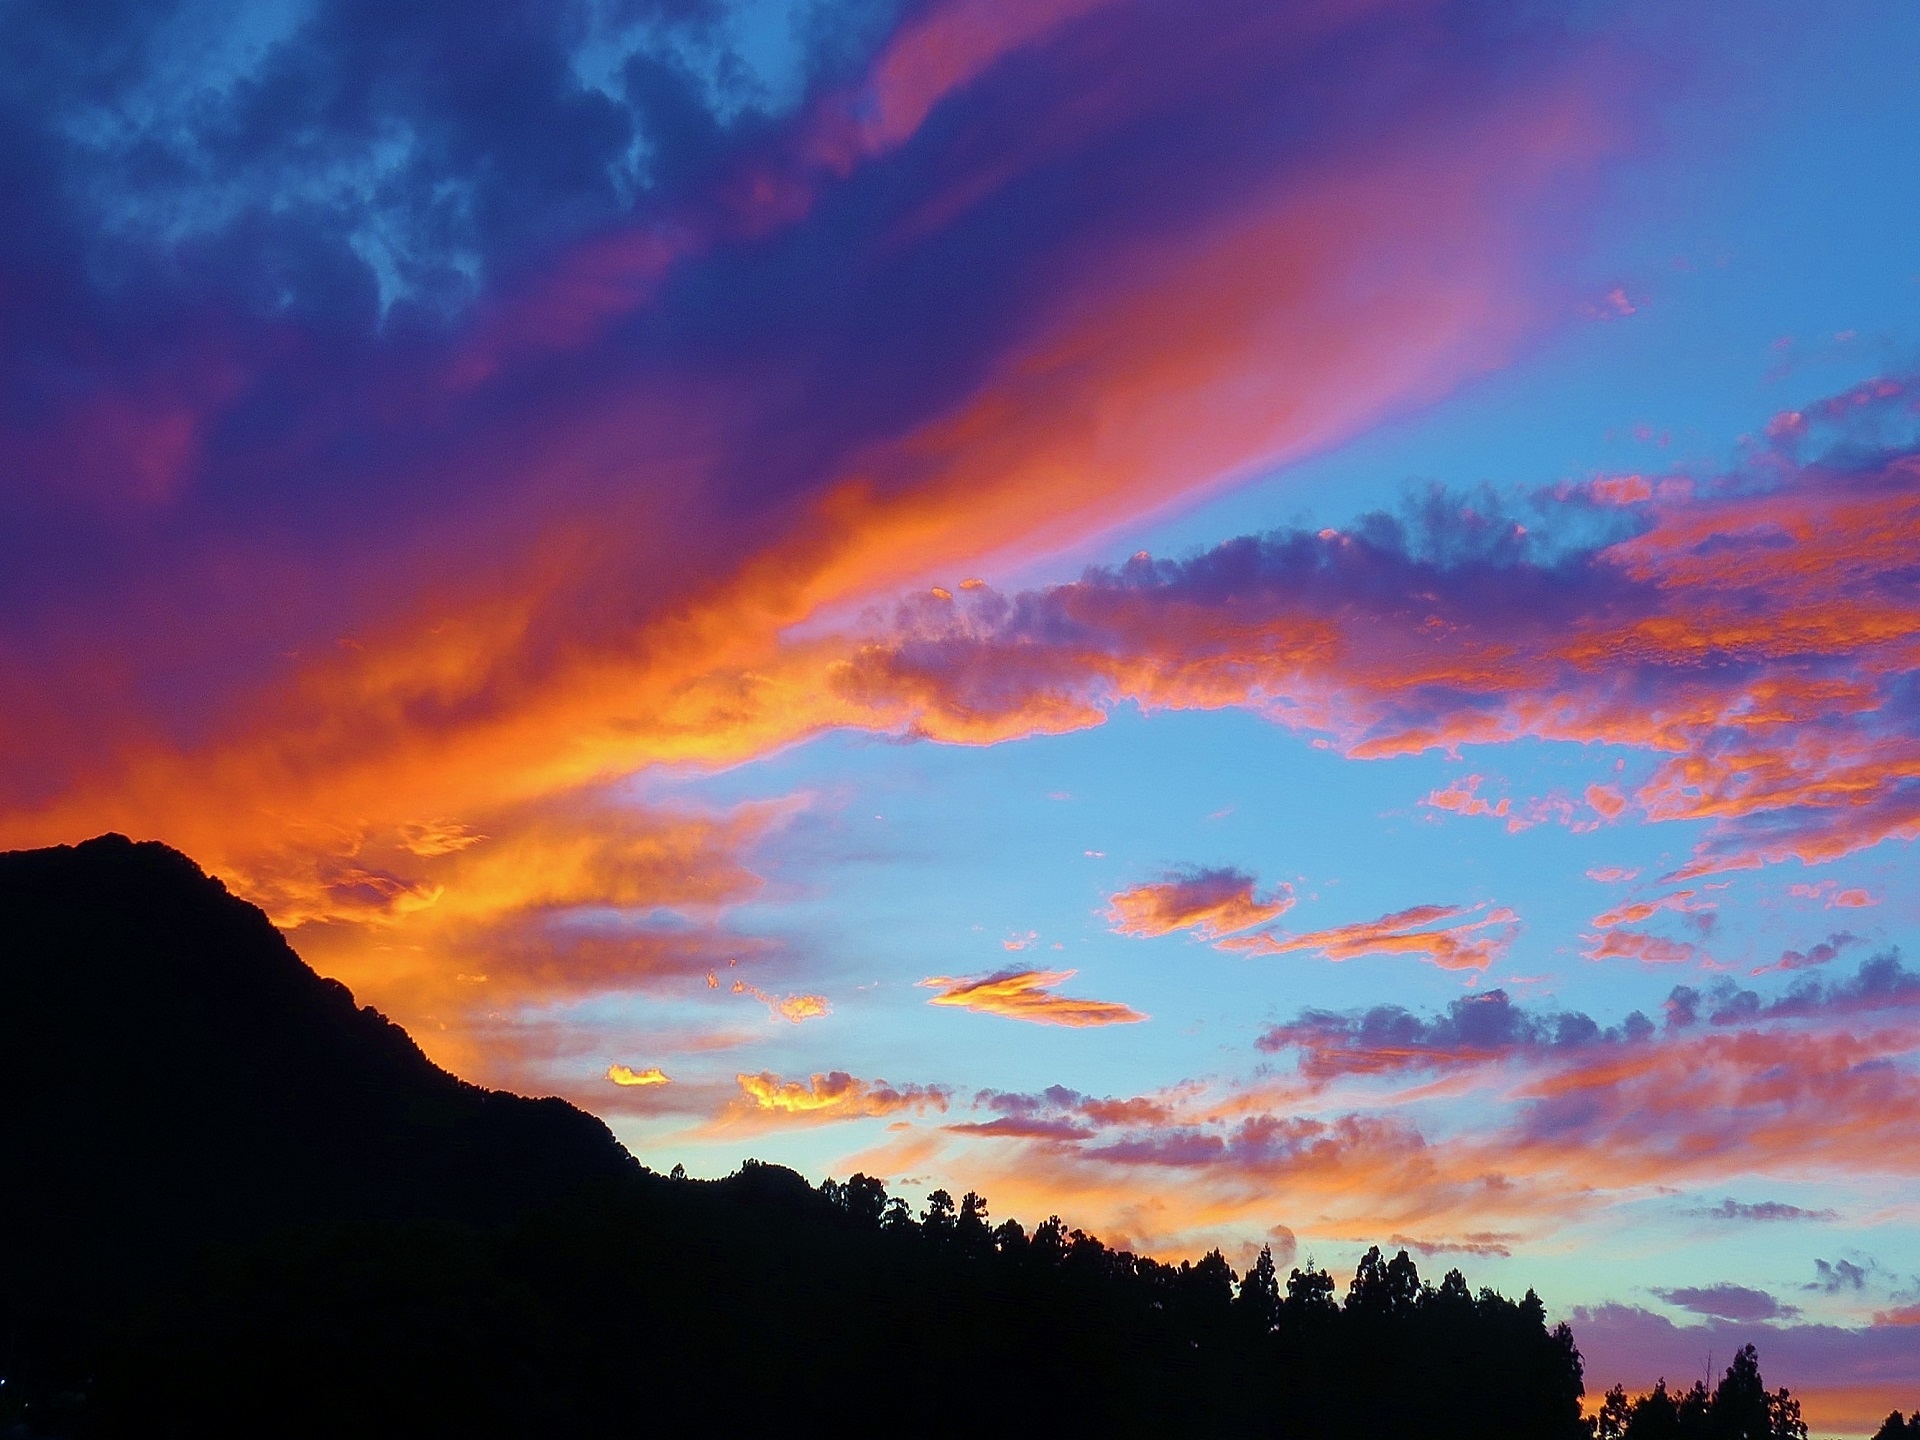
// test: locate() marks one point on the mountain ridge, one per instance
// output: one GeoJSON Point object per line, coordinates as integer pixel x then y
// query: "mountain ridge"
{"type": "Point", "coordinates": [172, 1074]}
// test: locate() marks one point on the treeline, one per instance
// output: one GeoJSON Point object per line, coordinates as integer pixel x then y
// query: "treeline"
{"type": "Point", "coordinates": [1739, 1408]}
{"type": "Point", "coordinates": [759, 1303]}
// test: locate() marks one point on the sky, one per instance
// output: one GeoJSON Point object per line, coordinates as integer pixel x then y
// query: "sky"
{"type": "Point", "coordinates": [1249, 623]}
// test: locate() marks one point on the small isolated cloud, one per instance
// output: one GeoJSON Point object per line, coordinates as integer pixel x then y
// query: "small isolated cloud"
{"type": "Point", "coordinates": [795, 1008]}
{"type": "Point", "coordinates": [1612, 874]}
{"type": "Point", "coordinates": [1467, 945]}
{"type": "Point", "coordinates": [1728, 1302]}
{"type": "Point", "coordinates": [1020, 942]}
{"type": "Point", "coordinates": [1835, 898]}
{"type": "Point", "coordinates": [1209, 902]}
{"type": "Point", "coordinates": [1028, 995]}
{"type": "Point", "coordinates": [1823, 953]}
{"type": "Point", "coordinates": [626, 1075]}
{"type": "Point", "coordinates": [1684, 901]}
{"type": "Point", "coordinates": [1476, 1242]}
{"type": "Point", "coordinates": [1840, 1275]}
{"type": "Point", "coordinates": [1608, 801]}
{"type": "Point", "coordinates": [1462, 797]}
{"type": "Point", "coordinates": [1731, 1209]}
{"type": "Point", "coordinates": [1639, 945]}
{"type": "Point", "coordinates": [835, 1095]}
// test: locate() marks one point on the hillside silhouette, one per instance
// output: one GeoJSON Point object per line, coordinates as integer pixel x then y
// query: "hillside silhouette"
{"type": "Point", "coordinates": [236, 1205]}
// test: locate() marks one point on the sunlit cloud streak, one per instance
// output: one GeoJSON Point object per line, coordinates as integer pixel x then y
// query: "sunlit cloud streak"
{"type": "Point", "coordinates": [835, 1095]}
{"type": "Point", "coordinates": [1209, 902]}
{"type": "Point", "coordinates": [1029, 995]}
{"type": "Point", "coordinates": [1471, 944]}
{"type": "Point", "coordinates": [627, 1075]}
{"type": "Point", "coordinates": [794, 1008]}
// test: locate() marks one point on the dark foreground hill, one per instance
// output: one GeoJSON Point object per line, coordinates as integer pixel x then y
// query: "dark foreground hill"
{"type": "Point", "coordinates": [172, 1074]}
{"type": "Point", "coordinates": [234, 1204]}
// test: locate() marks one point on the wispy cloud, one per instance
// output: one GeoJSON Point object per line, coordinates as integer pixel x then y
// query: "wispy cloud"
{"type": "Point", "coordinates": [1028, 995]}
{"type": "Point", "coordinates": [1470, 944]}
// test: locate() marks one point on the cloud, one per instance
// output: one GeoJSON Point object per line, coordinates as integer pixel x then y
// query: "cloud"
{"type": "Point", "coordinates": [1752, 631]}
{"type": "Point", "coordinates": [1639, 945]}
{"type": "Point", "coordinates": [1880, 983]}
{"type": "Point", "coordinates": [1475, 1030]}
{"type": "Point", "coordinates": [1836, 898]}
{"type": "Point", "coordinates": [833, 1096]}
{"type": "Point", "coordinates": [1823, 953]}
{"type": "Point", "coordinates": [1209, 902]}
{"type": "Point", "coordinates": [796, 1008]}
{"type": "Point", "coordinates": [1840, 1275]}
{"type": "Point", "coordinates": [1763, 1210]}
{"type": "Point", "coordinates": [371, 497]}
{"type": "Point", "coordinates": [1486, 1242]}
{"type": "Point", "coordinates": [1405, 932]}
{"type": "Point", "coordinates": [1685, 901]}
{"type": "Point", "coordinates": [1028, 995]}
{"type": "Point", "coordinates": [626, 1075]}
{"type": "Point", "coordinates": [1728, 1302]}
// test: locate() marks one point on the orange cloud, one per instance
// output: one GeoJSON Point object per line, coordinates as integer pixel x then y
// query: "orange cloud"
{"type": "Point", "coordinates": [833, 1096]}
{"type": "Point", "coordinates": [793, 1007]}
{"type": "Point", "coordinates": [1451, 947]}
{"type": "Point", "coordinates": [1461, 796]}
{"type": "Point", "coordinates": [1211, 903]}
{"type": "Point", "coordinates": [427, 746]}
{"type": "Point", "coordinates": [1686, 901]}
{"type": "Point", "coordinates": [1607, 800]}
{"type": "Point", "coordinates": [1028, 995]}
{"type": "Point", "coordinates": [625, 1075]}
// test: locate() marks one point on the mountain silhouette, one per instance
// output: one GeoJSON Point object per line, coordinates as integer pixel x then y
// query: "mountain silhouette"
{"type": "Point", "coordinates": [173, 1075]}
{"type": "Point", "coordinates": [235, 1204]}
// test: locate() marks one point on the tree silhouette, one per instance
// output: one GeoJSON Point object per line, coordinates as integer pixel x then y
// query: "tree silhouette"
{"type": "Point", "coordinates": [1740, 1407]}
{"type": "Point", "coordinates": [349, 1241]}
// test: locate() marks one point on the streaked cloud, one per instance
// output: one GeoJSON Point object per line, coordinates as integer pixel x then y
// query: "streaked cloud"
{"type": "Point", "coordinates": [1471, 944]}
{"type": "Point", "coordinates": [1029, 995]}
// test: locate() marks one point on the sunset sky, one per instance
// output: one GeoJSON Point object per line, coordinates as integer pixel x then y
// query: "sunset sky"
{"type": "Point", "coordinates": [1248, 622]}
